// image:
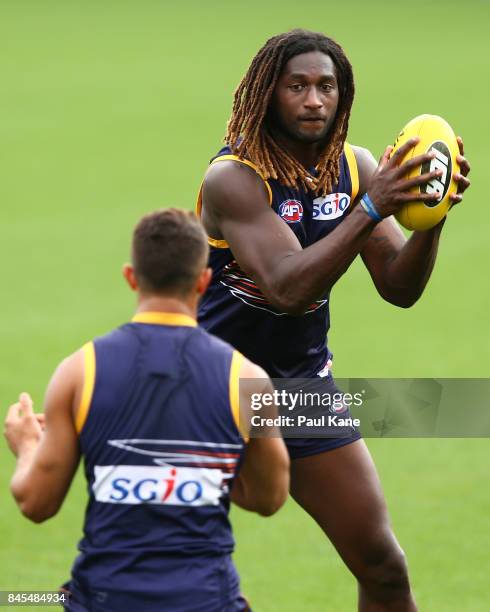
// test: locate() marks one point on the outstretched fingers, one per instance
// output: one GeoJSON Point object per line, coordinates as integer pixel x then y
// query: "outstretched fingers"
{"type": "Point", "coordinates": [26, 404]}
{"type": "Point", "coordinates": [461, 176]}
{"type": "Point", "coordinates": [385, 158]}
{"type": "Point", "coordinates": [402, 151]}
{"type": "Point", "coordinates": [422, 179]}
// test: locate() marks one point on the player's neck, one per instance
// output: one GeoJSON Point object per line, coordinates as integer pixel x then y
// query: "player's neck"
{"type": "Point", "coordinates": [307, 154]}
{"type": "Point", "coordinates": [157, 303]}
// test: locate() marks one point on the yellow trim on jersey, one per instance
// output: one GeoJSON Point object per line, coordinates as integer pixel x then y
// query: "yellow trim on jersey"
{"type": "Point", "coordinates": [222, 244]}
{"type": "Point", "coordinates": [164, 318]}
{"type": "Point", "coordinates": [236, 365]}
{"type": "Point", "coordinates": [198, 207]}
{"type": "Point", "coordinates": [354, 173]}
{"type": "Point", "coordinates": [247, 163]}
{"type": "Point", "coordinates": [88, 386]}
{"type": "Point", "coordinates": [219, 244]}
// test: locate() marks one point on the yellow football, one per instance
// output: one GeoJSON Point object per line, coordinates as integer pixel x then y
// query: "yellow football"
{"type": "Point", "coordinates": [435, 135]}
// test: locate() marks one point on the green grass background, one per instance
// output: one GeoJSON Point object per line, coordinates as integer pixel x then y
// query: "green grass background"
{"type": "Point", "coordinates": [110, 109]}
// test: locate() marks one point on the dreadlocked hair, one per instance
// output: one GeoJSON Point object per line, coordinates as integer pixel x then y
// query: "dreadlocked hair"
{"type": "Point", "coordinates": [248, 134]}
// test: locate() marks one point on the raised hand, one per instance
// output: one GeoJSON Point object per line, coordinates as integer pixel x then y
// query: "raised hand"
{"type": "Point", "coordinates": [460, 177]}
{"type": "Point", "coordinates": [22, 426]}
{"type": "Point", "coordinates": [390, 189]}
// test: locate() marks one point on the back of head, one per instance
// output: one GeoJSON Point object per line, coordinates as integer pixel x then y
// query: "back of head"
{"type": "Point", "coordinates": [248, 133]}
{"type": "Point", "coordinates": [169, 251]}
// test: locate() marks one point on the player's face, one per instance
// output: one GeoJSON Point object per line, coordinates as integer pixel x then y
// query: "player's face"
{"type": "Point", "coordinates": [305, 98]}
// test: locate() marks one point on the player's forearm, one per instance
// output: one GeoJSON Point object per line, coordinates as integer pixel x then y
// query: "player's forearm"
{"type": "Point", "coordinates": [305, 276]}
{"type": "Point", "coordinates": [409, 272]}
{"type": "Point", "coordinates": [30, 493]}
{"type": "Point", "coordinates": [262, 485]}
{"type": "Point", "coordinates": [264, 500]}
{"type": "Point", "coordinates": [240, 495]}
{"type": "Point", "coordinates": [20, 485]}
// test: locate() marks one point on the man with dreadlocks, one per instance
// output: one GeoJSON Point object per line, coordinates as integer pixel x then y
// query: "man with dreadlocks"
{"type": "Point", "coordinates": [279, 204]}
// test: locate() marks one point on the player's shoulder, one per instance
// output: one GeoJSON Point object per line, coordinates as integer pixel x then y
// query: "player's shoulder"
{"type": "Point", "coordinates": [362, 154]}
{"type": "Point", "coordinates": [125, 336]}
{"type": "Point", "coordinates": [366, 165]}
{"type": "Point", "coordinates": [249, 369]}
{"type": "Point", "coordinates": [73, 364]}
{"type": "Point", "coordinates": [67, 380]}
{"type": "Point", "coordinates": [232, 179]}
{"type": "Point", "coordinates": [229, 173]}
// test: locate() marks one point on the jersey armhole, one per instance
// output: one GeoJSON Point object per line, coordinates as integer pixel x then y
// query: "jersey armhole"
{"type": "Point", "coordinates": [222, 244]}
{"type": "Point", "coordinates": [88, 386]}
{"type": "Point", "coordinates": [234, 386]}
{"type": "Point", "coordinates": [353, 170]}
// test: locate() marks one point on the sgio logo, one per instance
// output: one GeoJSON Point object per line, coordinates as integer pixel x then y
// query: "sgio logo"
{"type": "Point", "coordinates": [330, 207]}
{"type": "Point", "coordinates": [442, 161]}
{"type": "Point", "coordinates": [140, 484]}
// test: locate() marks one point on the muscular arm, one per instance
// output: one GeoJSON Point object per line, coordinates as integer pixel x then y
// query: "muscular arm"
{"type": "Point", "coordinates": [46, 460]}
{"type": "Point", "coordinates": [400, 268]}
{"type": "Point", "coordinates": [262, 484]}
{"type": "Point", "coordinates": [235, 208]}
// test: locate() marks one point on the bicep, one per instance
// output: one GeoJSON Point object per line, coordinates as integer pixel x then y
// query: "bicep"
{"type": "Point", "coordinates": [235, 198]}
{"type": "Point", "coordinates": [264, 476]}
{"type": "Point", "coordinates": [58, 453]}
{"type": "Point", "coordinates": [257, 399]}
{"type": "Point", "coordinates": [254, 383]}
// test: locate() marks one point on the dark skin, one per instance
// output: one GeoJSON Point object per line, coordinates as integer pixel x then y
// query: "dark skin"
{"type": "Point", "coordinates": [340, 489]}
{"type": "Point", "coordinates": [235, 206]}
{"type": "Point", "coordinates": [301, 116]}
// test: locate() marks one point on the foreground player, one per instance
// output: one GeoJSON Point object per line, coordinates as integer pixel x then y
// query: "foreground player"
{"type": "Point", "coordinates": [279, 205]}
{"type": "Point", "coordinates": [153, 409]}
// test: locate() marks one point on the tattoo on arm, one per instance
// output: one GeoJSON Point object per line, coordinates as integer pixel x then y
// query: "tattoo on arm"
{"type": "Point", "coordinates": [384, 246]}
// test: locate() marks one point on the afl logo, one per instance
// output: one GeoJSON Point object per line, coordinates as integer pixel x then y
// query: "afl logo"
{"type": "Point", "coordinates": [291, 211]}
{"type": "Point", "coordinates": [442, 161]}
{"type": "Point", "coordinates": [338, 406]}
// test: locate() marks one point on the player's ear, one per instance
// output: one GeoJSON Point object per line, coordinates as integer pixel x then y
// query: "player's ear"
{"type": "Point", "coordinates": [203, 280]}
{"type": "Point", "coordinates": [128, 273]}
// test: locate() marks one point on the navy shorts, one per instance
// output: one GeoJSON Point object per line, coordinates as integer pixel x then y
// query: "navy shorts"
{"type": "Point", "coordinates": [192, 584]}
{"type": "Point", "coordinates": [306, 447]}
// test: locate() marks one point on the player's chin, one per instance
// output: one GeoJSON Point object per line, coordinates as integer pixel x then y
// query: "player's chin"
{"type": "Point", "coordinates": [312, 134]}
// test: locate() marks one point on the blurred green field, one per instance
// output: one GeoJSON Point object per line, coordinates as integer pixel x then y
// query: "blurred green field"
{"type": "Point", "coordinates": [110, 109]}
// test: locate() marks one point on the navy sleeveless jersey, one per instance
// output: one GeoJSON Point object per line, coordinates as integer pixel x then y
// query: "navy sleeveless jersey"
{"type": "Point", "coordinates": [235, 309]}
{"type": "Point", "coordinates": [161, 449]}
